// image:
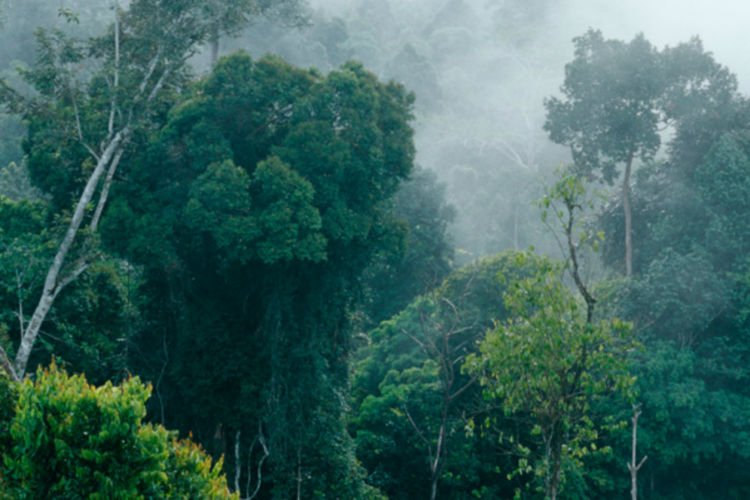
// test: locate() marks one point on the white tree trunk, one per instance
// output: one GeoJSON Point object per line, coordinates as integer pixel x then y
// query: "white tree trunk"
{"type": "Point", "coordinates": [54, 282]}
{"type": "Point", "coordinates": [634, 466]}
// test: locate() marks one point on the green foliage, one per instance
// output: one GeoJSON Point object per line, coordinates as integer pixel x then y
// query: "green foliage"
{"type": "Point", "coordinates": [618, 94]}
{"type": "Point", "coordinates": [548, 365]}
{"type": "Point", "coordinates": [8, 398]}
{"type": "Point", "coordinates": [686, 303]}
{"type": "Point", "coordinates": [395, 278]}
{"type": "Point", "coordinates": [410, 375]}
{"type": "Point", "coordinates": [102, 301]}
{"type": "Point", "coordinates": [268, 193]}
{"type": "Point", "coordinates": [192, 473]}
{"type": "Point", "coordinates": [69, 439]}
{"type": "Point", "coordinates": [24, 250]}
{"type": "Point", "coordinates": [609, 114]}
{"type": "Point", "coordinates": [281, 225]}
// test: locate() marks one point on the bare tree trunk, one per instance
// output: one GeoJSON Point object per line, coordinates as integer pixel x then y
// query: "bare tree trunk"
{"type": "Point", "coordinates": [437, 464]}
{"type": "Point", "coordinates": [554, 483]}
{"type": "Point", "coordinates": [634, 466]}
{"type": "Point", "coordinates": [628, 218]}
{"type": "Point", "coordinates": [237, 464]}
{"type": "Point", "coordinates": [104, 196]}
{"type": "Point", "coordinates": [260, 438]}
{"type": "Point", "coordinates": [111, 153]}
{"type": "Point", "coordinates": [54, 282]}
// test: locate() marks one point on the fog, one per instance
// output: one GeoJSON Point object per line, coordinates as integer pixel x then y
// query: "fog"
{"type": "Point", "coordinates": [721, 24]}
{"type": "Point", "coordinates": [492, 64]}
{"type": "Point", "coordinates": [480, 70]}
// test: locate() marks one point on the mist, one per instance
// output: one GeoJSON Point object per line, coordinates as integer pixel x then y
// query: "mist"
{"type": "Point", "coordinates": [481, 71]}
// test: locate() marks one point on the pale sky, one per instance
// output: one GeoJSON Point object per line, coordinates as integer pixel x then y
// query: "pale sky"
{"type": "Point", "coordinates": [723, 25]}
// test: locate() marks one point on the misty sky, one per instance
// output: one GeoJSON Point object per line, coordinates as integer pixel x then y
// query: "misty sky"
{"type": "Point", "coordinates": [721, 24]}
{"type": "Point", "coordinates": [489, 125]}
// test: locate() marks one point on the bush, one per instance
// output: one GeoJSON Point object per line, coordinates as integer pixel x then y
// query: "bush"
{"type": "Point", "coordinates": [65, 438]}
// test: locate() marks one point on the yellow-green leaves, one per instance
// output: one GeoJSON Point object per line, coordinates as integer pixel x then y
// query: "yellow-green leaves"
{"type": "Point", "coordinates": [70, 439]}
{"type": "Point", "coordinates": [547, 364]}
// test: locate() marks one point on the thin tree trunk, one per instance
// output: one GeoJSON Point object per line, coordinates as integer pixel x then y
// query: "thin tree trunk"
{"type": "Point", "coordinates": [53, 282]}
{"type": "Point", "coordinates": [555, 479]}
{"type": "Point", "coordinates": [237, 469]}
{"type": "Point", "coordinates": [556, 466]}
{"type": "Point", "coordinates": [628, 218]}
{"type": "Point", "coordinates": [437, 464]}
{"type": "Point", "coordinates": [104, 196]}
{"type": "Point", "coordinates": [634, 466]}
{"type": "Point", "coordinates": [262, 440]}
{"type": "Point", "coordinates": [570, 205]}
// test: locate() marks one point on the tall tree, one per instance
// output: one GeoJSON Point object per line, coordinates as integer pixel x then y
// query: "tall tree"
{"type": "Point", "coordinates": [609, 115]}
{"type": "Point", "coordinates": [552, 359]}
{"type": "Point", "coordinates": [93, 97]}
{"type": "Point", "coordinates": [617, 99]}
{"type": "Point", "coordinates": [255, 213]}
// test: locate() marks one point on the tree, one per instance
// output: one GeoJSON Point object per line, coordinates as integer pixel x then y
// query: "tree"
{"type": "Point", "coordinates": [550, 364]}
{"type": "Point", "coordinates": [609, 115]}
{"type": "Point", "coordinates": [254, 213]}
{"type": "Point", "coordinates": [412, 403]}
{"type": "Point", "coordinates": [66, 438]}
{"type": "Point", "coordinates": [635, 465]}
{"type": "Point", "coordinates": [553, 359]}
{"type": "Point", "coordinates": [688, 307]}
{"type": "Point", "coordinates": [618, 97]}
{"type": "Point", "coordinates": [89, 122]}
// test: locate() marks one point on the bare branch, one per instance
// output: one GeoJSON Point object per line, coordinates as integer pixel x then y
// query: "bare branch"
{"type": "Point", "coordinates": [52, 284]}
{"type": "Point", "coordinates": [573, 254]}
{"type": "Point", "coordinates": [159, 84]}
{"type": "Point", "coordinates": [105, 190]}
{"type": "Point", "coordinates": [266, 454]}
{"type": "Point", "coordinates": [418, 431]}
{"type": "Point", "coordinates": [463, 388]}
{"type": "Point", "coordinates": [79, 269]}
{"type": "Point", "coordinates": [237, 468]}
{"type": "Point", "coordinates": [149, 72]}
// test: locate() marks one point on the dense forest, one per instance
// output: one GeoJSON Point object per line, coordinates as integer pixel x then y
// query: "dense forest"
{"type": "Point", "coordinates": [373, 249]}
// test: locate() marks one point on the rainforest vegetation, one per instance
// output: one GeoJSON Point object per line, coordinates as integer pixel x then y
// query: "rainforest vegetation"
{"type": "Point", "coordinates": [279, 249]}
